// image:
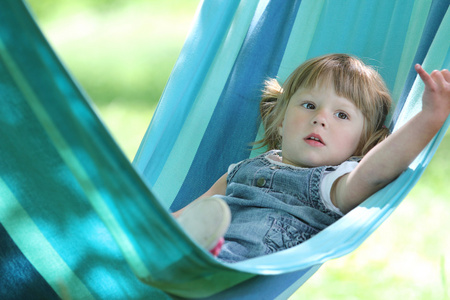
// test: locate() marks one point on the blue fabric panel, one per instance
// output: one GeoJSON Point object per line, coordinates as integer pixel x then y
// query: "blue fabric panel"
{"type": "Point", "coordinates": [447, 61]}
{"type": "Point", "coordinates": [373, 30]}
{"type": "Point", "coordinates": [73, 216]}
{"type": "Point", "coordinates": [37, 176]}
{"type": "Point", "coordinates": [18, 278]}
{"type": "Point", "coordinates": [336, 30]}
{"type": "Point", "coordinates": [197, 55]}
{"type": "Point", "coordinates": [435, 17]}
{"type": "Point", "coordinates": [238, 107]}
{"type": "Point", "coordinates": [267, 287]}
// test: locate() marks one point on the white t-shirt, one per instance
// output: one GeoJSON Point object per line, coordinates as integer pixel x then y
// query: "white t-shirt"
{"type": "Point", "coordinates": [329, 177]}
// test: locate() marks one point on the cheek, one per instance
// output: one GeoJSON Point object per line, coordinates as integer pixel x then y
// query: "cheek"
{"type": "Point", "coordinates": [356, 139]}
{"type": "Point", "coordinates": [350, 142]}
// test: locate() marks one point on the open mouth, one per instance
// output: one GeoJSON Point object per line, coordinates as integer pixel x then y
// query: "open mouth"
{"type": "Point", "coordinates": [314, 140]}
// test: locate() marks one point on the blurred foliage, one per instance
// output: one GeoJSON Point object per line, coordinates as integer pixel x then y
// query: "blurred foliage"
{"type": "Point", "coordinates": [120, 52]}
{"type": "Point", "coordinates": [53, 9]}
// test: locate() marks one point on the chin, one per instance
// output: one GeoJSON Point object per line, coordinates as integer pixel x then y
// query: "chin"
{"type": "Point", "coordinates": [321, 163]}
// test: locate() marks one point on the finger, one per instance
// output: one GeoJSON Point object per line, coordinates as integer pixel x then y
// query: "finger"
{"type": "Point", "coordinates": [436, 76]}
{"type": "Point", "coordinates": [422, 73]}
{"type": "Point", "coordinates": [426, 78]}
{"type": "Point", "coordinates": [446, 74]}
{"type": "Point", "coordinates": [439, 77]}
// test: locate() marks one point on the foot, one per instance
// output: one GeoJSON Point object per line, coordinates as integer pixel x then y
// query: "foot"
{"type": "Point", "coordinates": [206, 220]}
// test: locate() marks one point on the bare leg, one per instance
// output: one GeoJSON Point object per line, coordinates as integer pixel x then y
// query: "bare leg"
{"type": "Point", "coordinates": [206, 220]}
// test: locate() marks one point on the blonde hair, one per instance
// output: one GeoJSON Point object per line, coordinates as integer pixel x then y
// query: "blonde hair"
{"type": "Point", "coordinates": [352, 79]}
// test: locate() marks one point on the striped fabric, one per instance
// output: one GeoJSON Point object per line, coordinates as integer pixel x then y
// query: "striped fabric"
{"type": "Point", "coordinates": [58, 166]}
{"type": "Point", "coordinates": [78, 221]}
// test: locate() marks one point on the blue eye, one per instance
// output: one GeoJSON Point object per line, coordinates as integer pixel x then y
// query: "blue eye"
{"type": "Point", "coordinates": [342, 115]}
{"type": "Point", "coordinates": [308, 105]}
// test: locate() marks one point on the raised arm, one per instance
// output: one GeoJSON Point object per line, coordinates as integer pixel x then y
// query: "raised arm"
{"type": "Point", "coordinates": [218, 188]}
{"type": "Point", "coordinates": [390, 158]}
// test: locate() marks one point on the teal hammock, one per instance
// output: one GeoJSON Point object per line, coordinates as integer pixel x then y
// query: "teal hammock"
{"type": "Point", "coordinates": [79, 221]}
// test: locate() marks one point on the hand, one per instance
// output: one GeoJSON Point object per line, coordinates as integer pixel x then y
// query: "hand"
{"type": "Point", "coordinates": [436, 97]}
{"type": "Point", "coordinates": [387, 160]}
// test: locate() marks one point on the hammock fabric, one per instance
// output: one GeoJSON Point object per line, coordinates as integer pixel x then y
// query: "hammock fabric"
{"type": "Point", "coordinates": [79, 221]}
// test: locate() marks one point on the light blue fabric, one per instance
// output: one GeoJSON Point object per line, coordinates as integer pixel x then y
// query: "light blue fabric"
{"type": "Point", "coordinates": [78, 219]}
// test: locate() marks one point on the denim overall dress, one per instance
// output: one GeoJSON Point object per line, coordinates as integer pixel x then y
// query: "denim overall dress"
{"type": "Point", "coordinates": [274, 206]}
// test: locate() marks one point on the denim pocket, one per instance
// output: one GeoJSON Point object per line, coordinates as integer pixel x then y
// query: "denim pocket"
{"type": "Point", "coordinates": [286, 232]}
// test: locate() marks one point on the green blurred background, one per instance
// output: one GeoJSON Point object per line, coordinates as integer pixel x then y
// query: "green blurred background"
{"type": "Point", "coordinates": [122, 52]}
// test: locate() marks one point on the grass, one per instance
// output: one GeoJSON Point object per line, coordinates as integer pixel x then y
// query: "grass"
{"type": "Point", "coordinates": [122, 54]}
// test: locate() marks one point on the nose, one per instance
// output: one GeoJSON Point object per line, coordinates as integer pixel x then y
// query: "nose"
{"type": "Point", "coordinates": [320, 119]}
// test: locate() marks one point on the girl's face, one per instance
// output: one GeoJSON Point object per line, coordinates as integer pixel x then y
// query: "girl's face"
{"type": "Point", "coordinates": [320, 128]}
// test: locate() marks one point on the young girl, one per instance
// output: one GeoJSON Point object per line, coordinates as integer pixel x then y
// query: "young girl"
{"type": "Point", "coordinates": [334, 152]}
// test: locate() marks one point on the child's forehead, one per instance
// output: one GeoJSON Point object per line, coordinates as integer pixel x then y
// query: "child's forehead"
{"type": "Point", "coordinates": [326, 91]}
{"type": "Point", "coordinates": [326, 86]}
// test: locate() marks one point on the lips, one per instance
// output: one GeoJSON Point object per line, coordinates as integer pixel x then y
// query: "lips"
{"type": "Point", "coordinates": [314, 140]}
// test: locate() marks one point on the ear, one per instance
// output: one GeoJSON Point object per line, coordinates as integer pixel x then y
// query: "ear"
{"type": "Point", "coordinates": [280, 129]}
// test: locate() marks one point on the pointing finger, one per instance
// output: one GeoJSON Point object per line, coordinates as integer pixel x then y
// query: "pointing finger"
{"type": "Point", "coordinates": [426, 78]}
